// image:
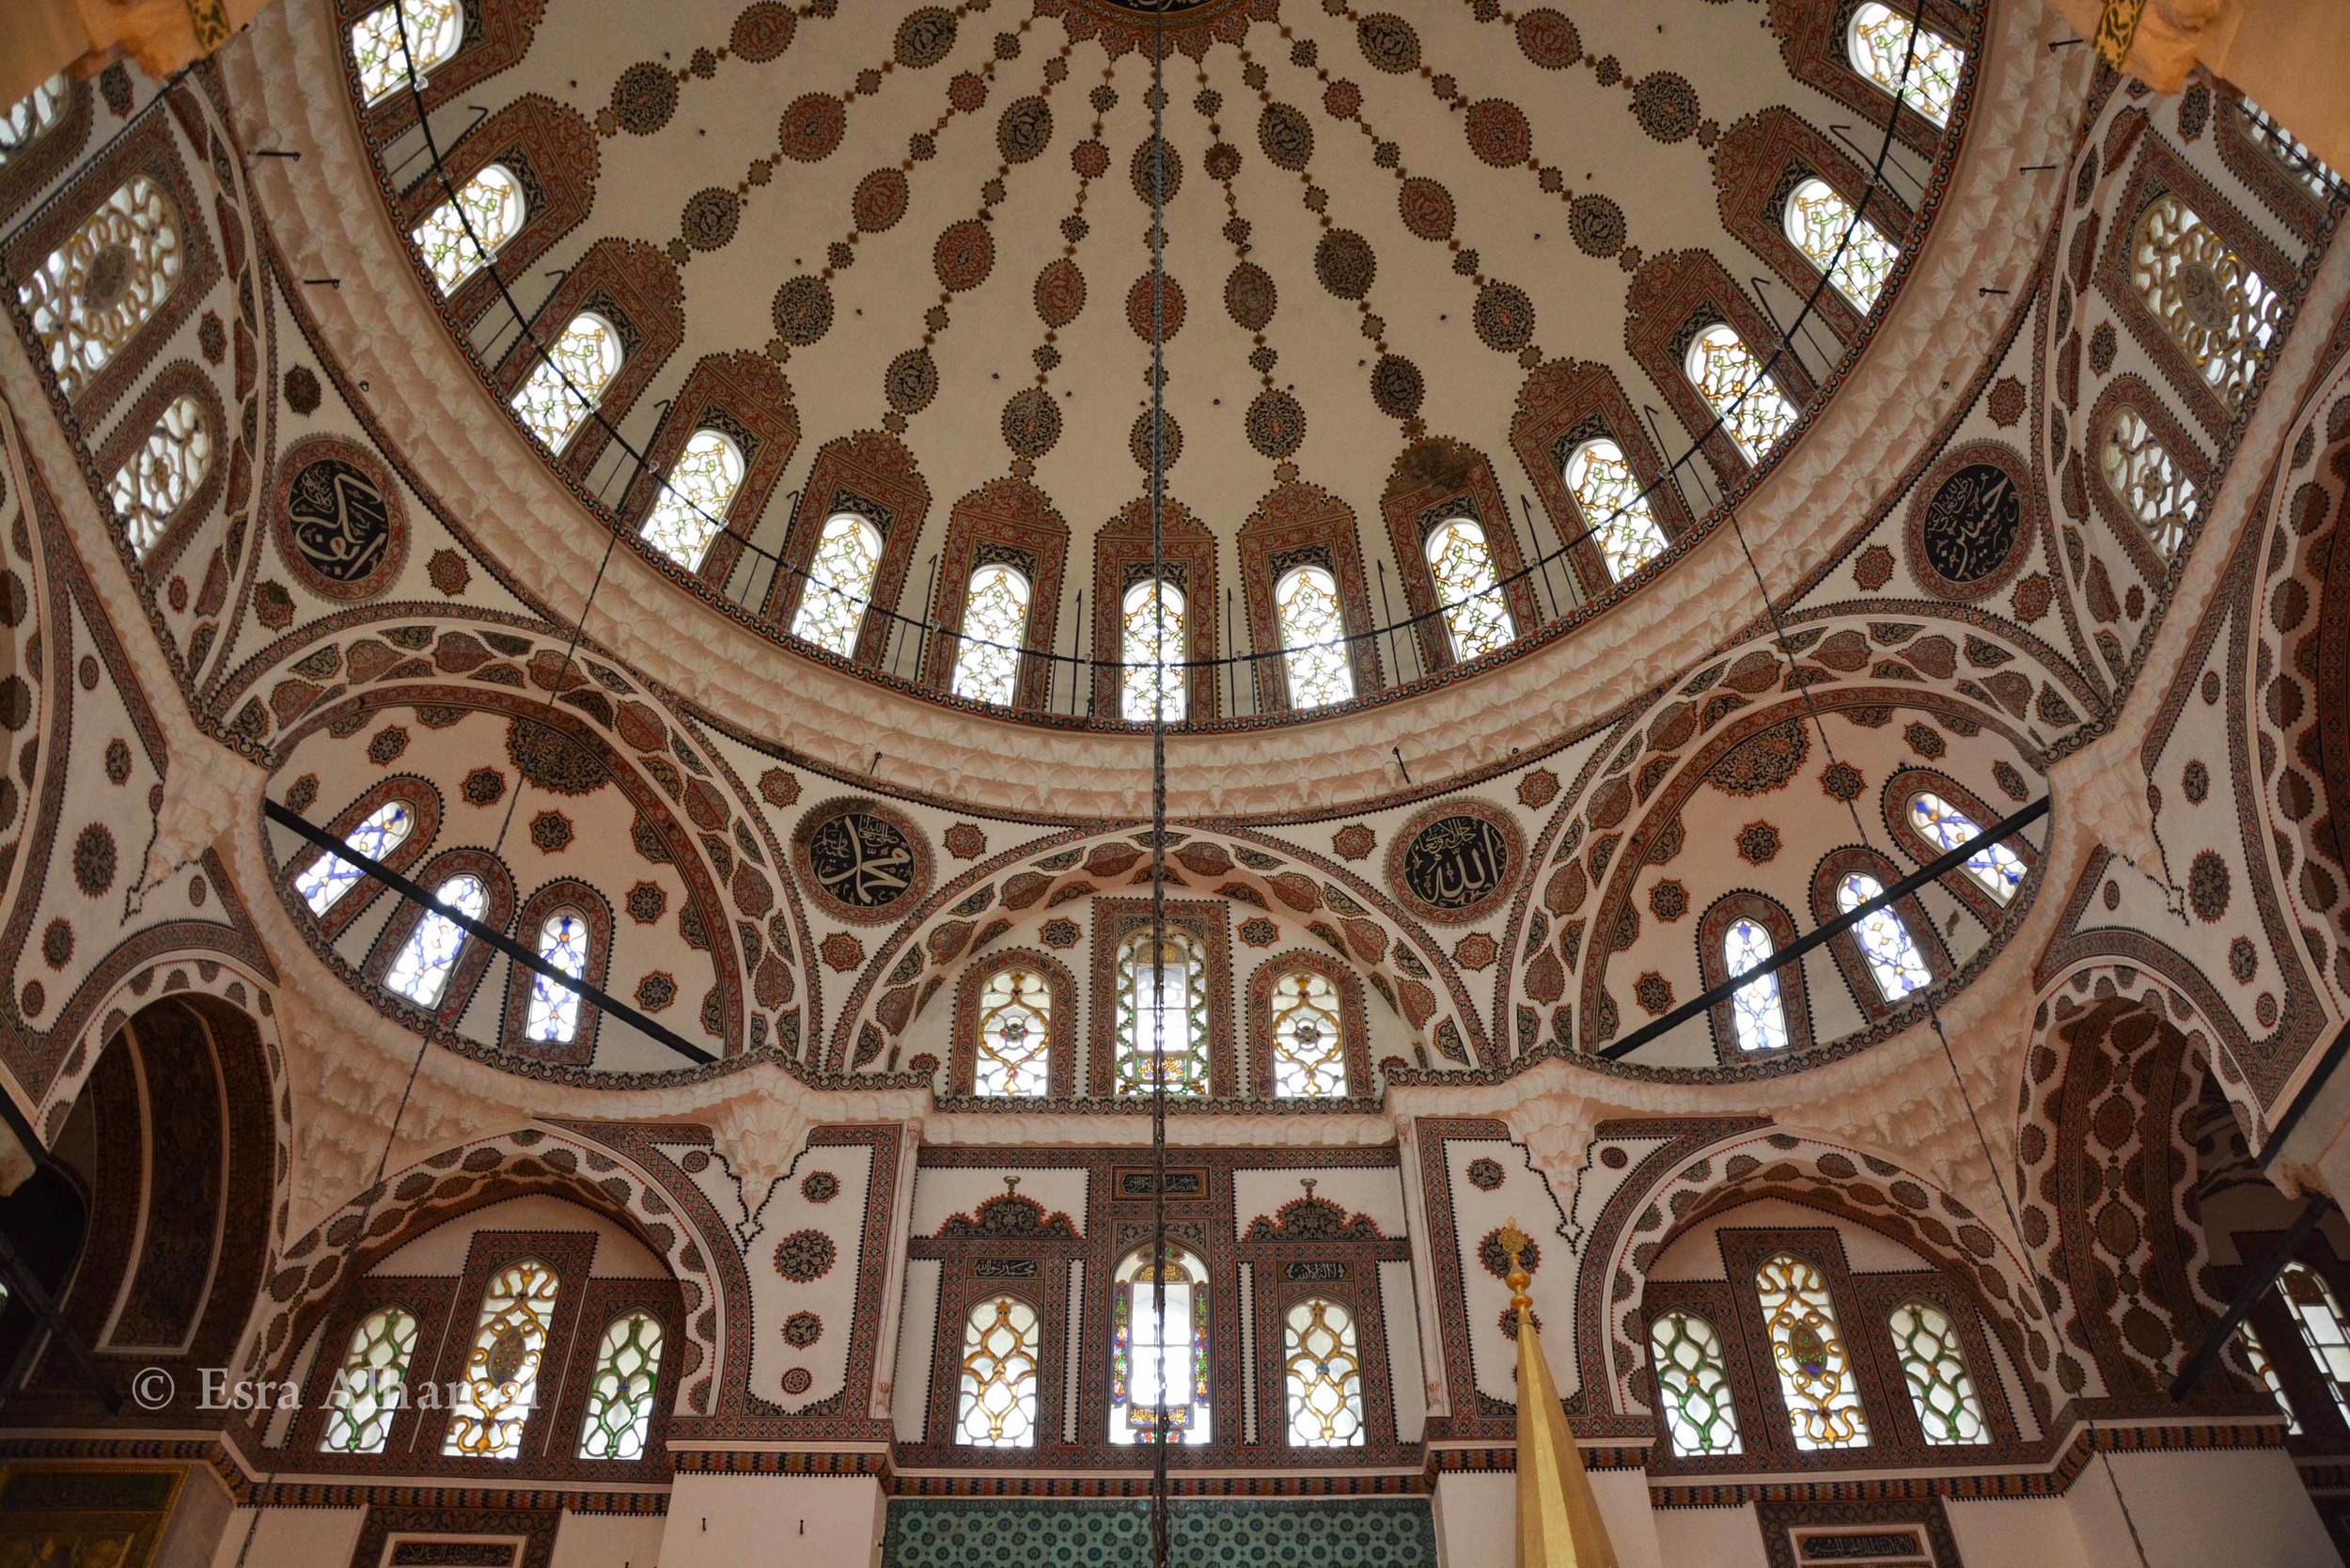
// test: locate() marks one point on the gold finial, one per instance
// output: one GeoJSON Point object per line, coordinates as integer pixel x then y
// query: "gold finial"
{"type": "Point", "coordinates": [1308, 1183]}
{"type": "Point", "coordinates": [1513, 1243]}
{"type": "Point", "coordinates": [1011, 1187]}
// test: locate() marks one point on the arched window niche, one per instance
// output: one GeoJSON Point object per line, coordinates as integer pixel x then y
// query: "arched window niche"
{"type": "Point", "coordinates": [461, 236]}
{"type": "Point", "coordinates": [1917, 64]}
{"type": "Point", "coordinates": [1892, 953]}
{"type": "Point", "coordinates": [1314, 653]}
{"type": "Point", "coordinates": [370, 1386]}
{"type": "Point", "coordinates": [436, 29]}
{"type": "Point", "coordinates": [568, 380]}
{"type": "Point", "coordinates": [1159, 1364]}
{"type": "Point", "coordinates": [1852, 251]}
{"type": "Point", "coordinates": [109, 278]}
{"type": "Point", "coordinates": [1615, 507]}
{"type": "Point", "coordinates": [620, 1398]}
{"type": "Point", "coordinates": [1771, 1013]}
{"type": "Point", "coordinates": [1753, 412]}
{"type": "Point", "coordinates": [840, 584]}
{"type": "Point", "coordinates": [691, 508]}
{"type": "Point", "coordinates": [1475, 615]}
{"type": "Point", "coordinates": [1015, 1013]}
{"type": "Point", "coordinates": [1322, 1368]}
{"type": "Point", "coordinates": [499, 1387]}
{"type": "Point", "coordinates": [994, 625]}
{"type": "Point", "coordinates": [1162, 1016]}
{"type": "Point", "coordinates": [995, 1395]}
{"type": "Point", "coordinates": [1151, 654]}
{"type": "Point", "coordinates": [1931, 814]}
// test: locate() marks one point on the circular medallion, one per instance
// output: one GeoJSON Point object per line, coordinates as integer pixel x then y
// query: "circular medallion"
{"type": "Point", "coordinates": [1549, 40]}
{"type": "Point", "coordinates": [1969, 526]}
{"type": "Point", "coordinates": [860, 860]}
{"type": "Point", "coordinates": [1031, 423]}
{"type": "Point", "coordinates": [925, 37]}
{"type": "Point", "coordinates": [1250, 296]}
{"type": "Point", "coordinates": [1454, 862]}
{"type": "Point", "coordinates": [339, 518]}
{"type": "Point", "coordinates": [803, 310]}
{"type": "Point", "coordinates": [1426, 209]}
{"type": "Point", "coordinates": [879, 201]}
{"type": "Point", "coordinates": [1024, 130]}
{"type": "Point", "coordinates": [1275, 423]}
{"type": "Point", "coordinates": [1286, 135]}
{"type": "Point", "coordinates": [965, 255]}
{"type": "Point", "coordinates": [1060, 294]}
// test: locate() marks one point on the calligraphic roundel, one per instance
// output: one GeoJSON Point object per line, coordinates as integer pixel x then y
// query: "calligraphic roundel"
{"type": "Point", "coordinates": [1454, 862]}
{"type": "Point", "coordinates": [1971, 523]}
{"type": "Point", "coordinates": [338, 521]}
{"type": "Point", "coordinates": [860, 860]}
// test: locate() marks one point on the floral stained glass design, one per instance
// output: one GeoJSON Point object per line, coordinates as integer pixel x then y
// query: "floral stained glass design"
{"type": "Point", "coordinates": [1313, 638]}
{"type": "Point", "coordinates": [92, 294]}
{"type": "Point", "coordinates": [1879, 46]}
{"type": "Point", "coordinates": [692, 510]}
{"type": "Point", "coordinates": [1999, 869]}
{"type": "Point", "coordinates": [1153, 1359]}
{"type": "Point", "coordinates": [1934, 1366]}
{"type": "Point", "coordinates": [463, 232]}
{"type": "Point", "coordinates": [1758, 1013]}
{"type": "Point", "coordinates": [619, 1402]}
{"type": "Point", "coordinates": [1893, 957]}
{"type": "Point", "coordinates": [155, 481]}
{"type": "Point", "coordinates": [1475, 616]}
{"type": "Point", "coordinates": [2315, 1311]}
{"type": "Point", "coordinates": [2147, 477]}
{"type": "Point", "coordinates": [371, 1384]}
{"type": "Point", "coordinates": [1815, 1375]}
{"type": "Point", "coordinates": [840, 584]}
{"type": "Point", "coordinates": [421, 971]}
{"type": "Point", "coordinates": [994, 618]}
{"type": "Point", "coordinates": [493, 1400]}
{"type": "Point", "coordinates": [1735, 387]}
{"type": "Point", "coordinates": [995, 1406]}
{"type": "Point", "coordinates": [1013, 1056]}
{"type": "Point", "coordinates": [1324, 1373]}
{"type": "Point", "coordinates": [1161, 1017]}
{"type": "Point", "coordinates": [1694, 1384]}
{"type": "Point", "coordinates": [1615, 508]}
{"type": "Point", "coordinates": [31, 115]}
{"type": "Point", "coordinates": [554, 1015]}
{"type": "Point", "coordinates": [1309, 1041]}
{"type": "Point", "coordinates": [330, 876]}
{"type": "Point", "coordinates": [1151, 654]}
{"type": "Point", "coordinates": [2256, 1356]}
{"type": "Point", "coordinates": [1857, 256]}
{"type": "Point", "coordinates": [2218, 310]}
{"type": "Point", "coordinates": [434, 28]}
{"type": "Point", "coordinates": [564, 386]}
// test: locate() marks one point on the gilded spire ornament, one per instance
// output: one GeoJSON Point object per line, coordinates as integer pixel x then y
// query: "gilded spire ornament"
{"type": "Point", "coordinates": [1558, 1521]}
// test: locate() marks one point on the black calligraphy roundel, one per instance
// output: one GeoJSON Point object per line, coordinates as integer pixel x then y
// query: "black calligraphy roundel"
{"type": "Point", "coordinates": [1456, 861]}
{"type": "Point", "coordinates": [1969, 528]}
{"type": "Point", "coordinates": [860, 860]}
{"type": "Point", "coordinates": [338, 519]}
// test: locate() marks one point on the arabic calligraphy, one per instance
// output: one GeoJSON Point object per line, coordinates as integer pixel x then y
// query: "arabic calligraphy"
{"type": "Point", "coordinates": [1457, 862]}
{"type": "Point", "coordinates": [337, 520]}
{"type": "Point", "coordinates": [861, 860]}
{"type": "Point", "coordinates": [1971, 525]}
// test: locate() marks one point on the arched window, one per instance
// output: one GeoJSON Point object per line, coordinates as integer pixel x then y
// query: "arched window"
{"type": "Point", "coordinates": [2256, 1356]}
{"type": "Point", "coordinates": [435, 29]}
{"type": "Point", "coordinates": [1162, 1016]}
{"type": "Point", "coordinates": [155, 481]}
{"type": "Point", "coordinates": [33, 114]}
{"type": "Point", "coordinates": [1857, 257]}
{"type": "Point", "coordinates": [327, 878]}
{"type": "Point", "coordinates": [1615, 508]}
{"type": "Point", "coordinates": [995, 1406]}
{"type": "Point", "coordinates": [106, 281]}
{"type": "Point", "coordinates": [2287, 148]}
{"type": "Point", "coordinates": [491, 205]}
{"type": "Point", "coordinates": [554, 1015]}
{"type": "Point", "coordinates": [1934, 1366]}
{"type": "Point", "coordinates": [1923, 74]}
{"type": "Point", "coordinates": [2146, 476]}
{"type": "Point", "coordinates": [1815, 1374]}
{"type": "Point", "coordinates": [840, 584]}
{"type": "Point", "coordinates": [1308, 1037]}
{"type": "Point", "coordinates": [1475, 616]}
{"type": "Point", "coordinates": [1324, 1372]}
{"type": "Point", "coordinates": [994, 617]}
{"type": "Point", "coordinates": [1999, 869]}
{"type": "Point", "coordinates": [1313, 638]}
{"type": "Point", "coordinates": [1758, 1013]}
{"type": "Point", "coordinates": [691, 508]}
{"type": "Point", "coordinates": [2219, 311]}
{"type": "Point", "coordinates": [1893, 958]}
{"type": "Point", "coordinates": [1012, 1054]}
{"type": "Point", "coordinates": [369, 1389]}
{"type": "Point", "coordinates": [2318, 1315]}
{"type": "Point", "coordinates": [564, 384]}
{"type": "Point", "coordinates": [421, 971]}
{"type": "Point", "coordinates": [493, 1400]}
{"type": "Point", "coordinates": [1151, 652]}
{"type": "Point", "coordinates": [1156, 1360]}
{"type": "Point", "coordinates": [1736, 386]}
{"type": "Point", "coordinates": [1693, 1384]}
{"type": "Point", "coordinates": [620, 1401]}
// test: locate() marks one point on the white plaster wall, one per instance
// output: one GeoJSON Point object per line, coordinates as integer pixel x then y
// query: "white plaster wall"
{"type": "Point", "coordinates": [917, 1327]}
{"type": "Point", "coordinates": [734, 1521]}
{"type": "Point", "coordinates": [2015, 1533]}
{"type": "Point", "coordinates": [608, 1541]}
{"type": "Point", "coordinates": [192, 1534]}
{"type": "Point", "coordinates": [1710, 1537]}
{"type": "Point", "coordinates": [2217, 1510]}
{"type": "Point", "coordinates": [291, 1537]}
{"type": "Point", "coordinates": [1477, 1517]}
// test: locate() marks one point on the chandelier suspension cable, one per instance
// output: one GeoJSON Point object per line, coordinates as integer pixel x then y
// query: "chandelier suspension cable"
{"type": "Point", "coordinates": [1159, 1522]}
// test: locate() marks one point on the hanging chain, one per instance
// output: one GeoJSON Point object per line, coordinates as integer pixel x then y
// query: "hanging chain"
{"type": "Point", "coordinates": [1159, 1522]}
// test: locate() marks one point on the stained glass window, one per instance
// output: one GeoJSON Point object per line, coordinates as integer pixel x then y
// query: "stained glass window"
{"type": "Point", "coordinates": [1012, 1054]}
{"type": "Point", "coordinates": [1475, 616]}
{"type": "Point", "coordinates": [1999, 869]}
{"type": "Point", "coordinates": [371, 1383]}
{"type": "Point", "coordinates": [564, 386]}
{"type": "Point", "coordinates": [33, 114]}
{"type": "Point", "coordinates": [1893, 958]}
{"type": "Point", "coordinates": [995, 1407]}
{"type": "Point", "coordinates": [155, 481]}
{"type": "Point", "coordinates": [2318, 1315]}
{"type": "Point", "coordinates": [554, 1009]}
{"type": "Point", "coordinates": [620, 1401]}
{"type": "Point", "coordinates": [2147, 477]}
{"type": "Point", "coordinates": [1857, 257]}
{"type": "Point", "coordinates": [1615, 508]}
{"type": "Point", "coordinates": [840, 584]}
{"type": "Point", "coordinates": [1154, 1360]}
{"type": "Point", "coordinates": [435, 29]}
{"type": "Point", "coordinates": [1162, 1016]}
{"type": "Point", "coordinates": [691, 508]}
{"type": "Point", "coordinates": [2287, 148]}
{"type": "Point", "coordinates": [2219, 311]}
{"type": "Point", "coordinates": [491, 206]}
{"type": "Point", "coordinates": [1309, 1039]}
{"type": "Point", "coordinates": [330, 876]}
{"type": "Point", "coordinates": [106, 281]}
{"type": "Point", "coordinates": [994, 618]}
{"type": "Point", "coordinates": [2256, 1355]}
{"type": "Point", "coordinates": [1694, 1384]}
{"type": "Point", "coordinates": [1758, 1012]}
{"type": "Point", "coordinates": [1815, 1373]}
{"type": "Point", "coordinates": [1152, 654]}
{"type": "Point", "coordinates": [1313, 638]}
{"type": "Point", "coordinates": [1324, 1373]}
{"type": "Point", "coordinates": [421, 971]}
{"type": "Point", "coordinates": [1736, 386]}
{"type": "Point", "coordinates": [1934, 1366]}
{"type": "Point", "coordinates": [493, 1399]}
{"type": "Point", "coordinates": [1924, 76]}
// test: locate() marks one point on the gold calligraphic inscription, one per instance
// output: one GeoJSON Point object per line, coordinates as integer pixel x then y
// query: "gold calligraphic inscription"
{"type": "Point", "coordinates": [1457, 862]}
{"type": "Point", "coordinates": [1972, 524]}
{"type": "Point", "coordinates": [862, 861]}
{"type": "Point", "coordinates": [340, 524]}
{"type": "Point", "coordinates": [2117, 30]}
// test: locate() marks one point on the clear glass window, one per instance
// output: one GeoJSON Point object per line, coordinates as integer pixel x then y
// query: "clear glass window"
{"type": "Point", "coordinates": [1475, 616]}
{"type": "Point", "coordinates": [1933, 1364]}
{"type": "Point", "coordinates": [2256, 1355]}
{"type": "Point", "coordinates": [1694, 1384]}
{"type": "Point", "coordinates": [1855, 254]}
{"type": "Point", "coordinates": [1893, 958]}
{"type": "Point", "coordinates": [155, 481]}
{"type": "Point", "coordinates": [1735, 387]}
{"type": "Point", "coordinates": [33, 114]}
{"type": "Point", "coordinates": [1309, 1039]}
{"type": "Point", "coordinates": [994, 620]}
{"type": "Point", "coordinates": [1013, 1056]}
{"type": "Point", "coordinates": [1324, 1373]}
{"type": "Point", "coordinates": [371, 1383]}
{"type": "Point", "coordinates": [691, 508]}
{"type": "Point", "coordinates": [1815, 1374]}
{"type": "Point", "coordinates": [840, 584]}
{"type": "Point", "coordinates": [1156, 1359]}
{"type": "Point", "coordinates": [554, 1015]}
{"type": "Point", "coordinates": [1313, 638]}
{"type": "Point", "coordinates": [2288, 150]}
{"type": "Point", "coordinates": [92, 294]}
{"type": "Point", "coordinates": [2220, 313]}
{"type": "Point", "coordinates": [421, 971]}
{"type": "Point", "coordinates": [995, 1407]}
{"type": "Point", "coordinates": [2318, 1315]}
{"type": "Point", "coordinates": [1162, 1016]}
{"type": "Point", "coordinates": [1999, 869]}
{"type": "Point", "coordinates": [620, 1401]}
{"type": "Point", "coordinates": [564, 386]}
{"type": "Point", "coordinates": [493, 1399]}
{"type": "Point", "coordinates": [327, 878]}
{"type": "Point", "coordinates": [1152, 643]}
{"type": "Point", "coordinates": [1615, 508]}
{"type": "Point", "coordinates": [1758, 1012]}
{"type": "Point", "coordinates": [2147, 477]}
{"type": "Point", "coordinates": [1924, 76]}
{"type": "Point", "coordinates": [491, 206]}
{"type": "Point", "coordinates": [435, 29]}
